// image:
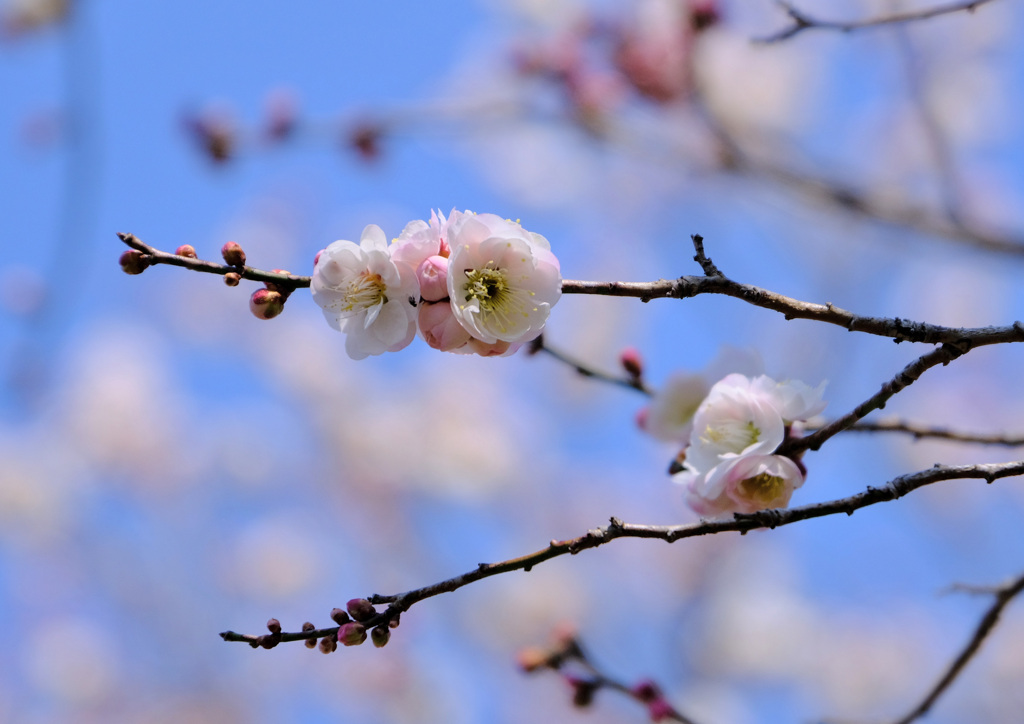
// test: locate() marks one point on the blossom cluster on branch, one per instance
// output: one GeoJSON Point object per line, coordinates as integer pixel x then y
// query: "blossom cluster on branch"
{"type": "Point", "coordinates": [470, 283]}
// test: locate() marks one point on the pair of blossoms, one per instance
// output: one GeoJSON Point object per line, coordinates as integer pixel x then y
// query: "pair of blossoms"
{"type": "Point", "coordinates": [731, 432]}
{"type": "Point", "coordinates": [470, 283]}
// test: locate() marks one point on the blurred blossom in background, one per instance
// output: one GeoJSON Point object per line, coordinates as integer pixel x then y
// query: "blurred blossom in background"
{"type": "Point", "coordinates": [172, 467]}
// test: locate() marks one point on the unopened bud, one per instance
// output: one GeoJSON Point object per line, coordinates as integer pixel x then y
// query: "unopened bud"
{"type": "Point", "coordinates": [186, 250]}
{"type": "Point", "coordinates": [395, 620]}
{"type": "Point", "coordinates": [646, 691]}
{"type": "Point", "coordinates": [352, 634]}
{"type": "Point", "coordinates": [380, 636]}
{"type": "Point", "coordinates": [269, 641]}
{"type": "Point", "coordinates": [631, 362]}
{"type": "Point", "coordinates": [274, 626]}
{"type": "Point", "coordinates": [265, 304]}
{"type": "Point", "coordinates": [339, 617]}
{"type": "Point", "coordinates": [360, 609]}
{"type": "Point", "coordinates": [134, 262]}
{"type": "Point", "coordinates": [308, 626]}
{"type": "Point", "coordinates": [233, 254]}
{"type": "Point", "coordinates": [328, 644]}
{"type": "Point", "coordinates": [232, 279]}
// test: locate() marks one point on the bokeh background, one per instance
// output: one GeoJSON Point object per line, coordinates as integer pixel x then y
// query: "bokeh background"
{"type": "Point", "coordinates": [172, 467]}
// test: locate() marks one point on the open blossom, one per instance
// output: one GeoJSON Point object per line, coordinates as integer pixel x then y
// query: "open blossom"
{"type": "Point", "coordinates": [502, 279]}
{"type": "Point", "coordinates": [745, 484]}
{"type": "Point", "coordinates": [366, 294]}
{"type": "Point", "coordinates": [729, 463]}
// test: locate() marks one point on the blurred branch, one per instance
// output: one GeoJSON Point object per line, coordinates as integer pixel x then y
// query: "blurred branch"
{"type": "Point", "coordinates": [802, 21]}
{"type": "Point", "coordinates": [567, 655]}
{"type": "Point", "coordinates": [634, 383]}
{"type": "Point", "coordinates": [1003, 595]}
{"type": "Point", "coordinates": [923, 431]}
{"type": "Point", "coordinates": [740, 522]}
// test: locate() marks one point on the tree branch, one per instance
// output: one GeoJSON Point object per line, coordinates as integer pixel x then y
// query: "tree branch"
{"type": "Point", "coordinates": [155, 256]}
{"type": "Point", "coordinates": [801, 21]}
{"type": "Point", "coordinates": [740, 522]}
{"type": "Point", "coordinates": [901, 330]}
{"type": "Point", "coordinates": [1003, 595]}
{"type": "Point", "coordinates": [906, 377]}
{"type": "Point", "coordinates": [923, 431]}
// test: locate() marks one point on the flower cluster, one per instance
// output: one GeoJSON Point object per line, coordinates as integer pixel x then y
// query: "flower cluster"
{"type": "Point", "coordinates": [729, 464]}
{"type": "Point", "coordinates": [471, 284]}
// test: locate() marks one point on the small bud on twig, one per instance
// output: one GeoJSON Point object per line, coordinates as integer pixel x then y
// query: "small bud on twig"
{"type": "Point", "coordinates": [265, 304]}
{"type": "Point", "coordinates": [232, 279]}
{"type": "Point", "coordinates": [339, 617]}
{"type": "Point", "coordinates": [352, 634]}
{"type": "Point", "coordinates": [380, 636]}
{"type": "Point", "coordinates": [308, 626]}
{"type": "Point", "coordinates": [134, 262]}
{"type": "Point", "coordinates": [360, 609]}
{"type": "Point", "coordinates": [233, 254]}
{"type": "Point", "coordinates": [186, 250]}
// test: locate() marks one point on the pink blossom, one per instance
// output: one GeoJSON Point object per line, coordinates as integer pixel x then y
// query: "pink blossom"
{"type": "Point", "coordinates": [502, 279]}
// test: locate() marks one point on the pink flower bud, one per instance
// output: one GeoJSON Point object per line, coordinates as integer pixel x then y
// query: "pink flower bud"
{"type": "Point", "coordinates": [631, 362]}
{"type": "Point", "coordinates": [360, 609]}
{"type": "Point", "coordinates": [134, 262]}
{"type": "Point", "coordinates": [440, 328]}
{"type": "Point", "coordinates": [186, 250]}
{"type": "Point", "coordinates": [352, 634]}
{"type": "Point", "coordinates": [233, 254]}
{"type": "Point", "coordinates": [266, 304]}
{"type": "Point", "coordinates": [433, 276]}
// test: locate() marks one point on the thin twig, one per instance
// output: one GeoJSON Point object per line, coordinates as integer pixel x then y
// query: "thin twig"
{"type": "Point", "coordinates": [155, 256]}
{"type": "Point", "coordinates": [907, 376]}
{"type": "Point", "coordinates": [940, 433]}
{"type": "Point", "coordinates": [802, 21]}
{"type": "Point", "coordinates": [568, 655]}
{"type": "Point", "coordinates": [740, 522]}
{"type": "Point", "coordinates": [542, 345]}
{"type": "Point", "coordinates": [1003, 595]}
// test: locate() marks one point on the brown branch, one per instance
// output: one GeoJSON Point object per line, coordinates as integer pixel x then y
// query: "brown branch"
{"type": "Point", "coordinates": [740, 522]}
{"type": "Point", "coordinates": [906, 377]}
{"type": "Point", "coordinates": [901, 330]}
{"type": "Point", "coordinates": [155, 256]}
{"type": "Point", "coordinates": [801, 21]}
{"type": "Point", "coordinates": [1003, 595]}
{"type": "Point", "coordinates": [939, 433]}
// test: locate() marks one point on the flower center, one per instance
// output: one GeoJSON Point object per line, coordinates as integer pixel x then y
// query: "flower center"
{"type": "Point", "coordinates": [763, 488]}
{"type": "Point", "coordinates": [364, 291]}
{"type": "Point", "coordinates": [733, 437]}
{"type": "Point", "coordinates": [496, 297]}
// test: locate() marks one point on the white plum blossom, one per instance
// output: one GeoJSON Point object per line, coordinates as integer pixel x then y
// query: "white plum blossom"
{"type": "Point", "coordinates": [502, 279]}
{"type": "Point", "coordinates": [730, 465]}
{"type": "Point", "coordinates": [366, 294]}
{"type": "Point", "coordinates": [745, 484]}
